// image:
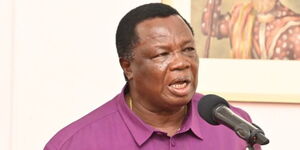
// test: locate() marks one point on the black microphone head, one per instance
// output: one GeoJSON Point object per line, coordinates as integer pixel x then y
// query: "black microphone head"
{"type": "Point", "coordinates": [206, 106]}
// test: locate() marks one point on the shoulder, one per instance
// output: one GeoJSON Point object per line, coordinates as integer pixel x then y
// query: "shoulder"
{"type": "Point", "coordinates": [197, 97]}
{"type": "Point", "coordinates": [98, 116]}
{"type": "Point", "coordinates": [241, 113]}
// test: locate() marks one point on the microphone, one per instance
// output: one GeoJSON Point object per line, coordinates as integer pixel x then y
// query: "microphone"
{"type": "Point", "coordinates": [215, 110]}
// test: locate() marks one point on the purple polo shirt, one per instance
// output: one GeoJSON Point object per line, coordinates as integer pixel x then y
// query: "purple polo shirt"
{"type": "Point", "coordinates": [113, 126]}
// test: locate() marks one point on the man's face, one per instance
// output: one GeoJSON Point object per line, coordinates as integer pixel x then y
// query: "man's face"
{"type": "Point", "coordinates": [165, 63]}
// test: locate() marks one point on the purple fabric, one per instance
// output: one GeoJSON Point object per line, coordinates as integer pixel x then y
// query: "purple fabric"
{"type": "Point", "coordinates": [114, 126]}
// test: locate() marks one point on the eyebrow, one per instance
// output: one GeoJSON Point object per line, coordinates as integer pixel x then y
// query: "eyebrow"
{"type": "Point", "coordinates": [187, 42]}
{"type": "Point", "coordinates": [164, 46]}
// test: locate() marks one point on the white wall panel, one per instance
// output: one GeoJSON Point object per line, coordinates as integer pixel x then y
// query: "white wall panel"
{"type": "Point", "coordinates": [66, 64]}
{"type": "Point", "coordinates": [6, 58]}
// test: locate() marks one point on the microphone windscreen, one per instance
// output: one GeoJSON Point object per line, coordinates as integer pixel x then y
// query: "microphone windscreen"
{"type": "Point", "coordinates": [208, 104]}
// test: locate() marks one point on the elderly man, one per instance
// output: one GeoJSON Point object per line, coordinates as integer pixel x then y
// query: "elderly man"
{"type": "Point", "coordinates": [260, 29]}
{"type": "Point", "coordinates": [157, 109]}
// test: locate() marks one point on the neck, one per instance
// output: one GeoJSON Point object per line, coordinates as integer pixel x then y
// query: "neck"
{"type": "Point", "coordinates": [163, 120]}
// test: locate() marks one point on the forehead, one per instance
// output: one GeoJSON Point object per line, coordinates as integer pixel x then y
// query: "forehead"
{"type": "Point", "coordinates": [161, 27]}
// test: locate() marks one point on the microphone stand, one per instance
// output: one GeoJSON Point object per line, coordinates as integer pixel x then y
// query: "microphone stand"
{"type": "Point", "coordinates": [250, 147]}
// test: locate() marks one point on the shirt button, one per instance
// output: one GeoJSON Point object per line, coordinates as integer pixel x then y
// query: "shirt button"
{"type": "Point", "coordinates": [173, 144]}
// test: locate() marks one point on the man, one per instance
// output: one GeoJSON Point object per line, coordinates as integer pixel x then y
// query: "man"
{"type": "Point", "coordinates": [260, 29]}
{"type": "Point", "coordinates": [156, 110]}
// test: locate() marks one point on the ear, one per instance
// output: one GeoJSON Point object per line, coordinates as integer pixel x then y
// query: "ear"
{"type": "Point", "coordinates": [126, 66]}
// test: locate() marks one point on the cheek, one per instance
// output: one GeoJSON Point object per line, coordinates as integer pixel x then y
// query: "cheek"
{"type": "Point", "coordinates": [195, 67]}
{"type": "Point", "coordinates": [162, 66]}
{"type": "Point", "coordinates": [153, 72]}
{"type": "Point", "coordinates": [195, 62]}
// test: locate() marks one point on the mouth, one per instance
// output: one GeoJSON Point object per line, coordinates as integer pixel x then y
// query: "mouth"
{"type": "Point", "coordinates": [180, 86]}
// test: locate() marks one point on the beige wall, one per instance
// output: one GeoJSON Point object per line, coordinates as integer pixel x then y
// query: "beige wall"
{"type": "Point", "coordinates": [6, 75]}
{"type": "Point", "coordinates": [58, 62]}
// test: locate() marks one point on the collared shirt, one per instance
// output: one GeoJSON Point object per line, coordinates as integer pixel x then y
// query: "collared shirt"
{"type": "Point", "coordinates": [113, 126]}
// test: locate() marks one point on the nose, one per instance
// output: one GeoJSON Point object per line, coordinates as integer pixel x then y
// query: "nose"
{"type": "Point", "coordinates": [179, 62]}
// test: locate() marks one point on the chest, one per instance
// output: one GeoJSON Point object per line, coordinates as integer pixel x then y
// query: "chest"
{"type": "Point", "coordinates": [219, 138]}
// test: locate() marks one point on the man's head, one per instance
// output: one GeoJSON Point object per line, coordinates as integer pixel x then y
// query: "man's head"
{"type": "Point", "coordinates": [126, 36]}
{"type": "Point", "coordinates": [157, 54]}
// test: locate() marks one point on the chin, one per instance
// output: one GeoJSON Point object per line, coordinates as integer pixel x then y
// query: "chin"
{"type": "Point", "coordinates": [184, 100]}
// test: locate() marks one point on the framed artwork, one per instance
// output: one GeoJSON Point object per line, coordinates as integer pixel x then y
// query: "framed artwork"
{"type": "Point", "coordinates": [249, 50]}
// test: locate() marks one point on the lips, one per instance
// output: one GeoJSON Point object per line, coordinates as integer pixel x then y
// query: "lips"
{"type": "Point", "coordinates": [180, 86]}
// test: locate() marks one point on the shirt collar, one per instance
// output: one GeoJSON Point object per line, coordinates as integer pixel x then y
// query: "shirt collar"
{"type": "Point", "coordinates": [141, 131]}
{"type": "Point", "coordinates": [193, 121]}
{"type": "Point", "coordinates": [138, 129]}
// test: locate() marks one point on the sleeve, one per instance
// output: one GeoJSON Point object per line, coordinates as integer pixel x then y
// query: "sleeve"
{"type": "Point", "coordinates": [49, 146]}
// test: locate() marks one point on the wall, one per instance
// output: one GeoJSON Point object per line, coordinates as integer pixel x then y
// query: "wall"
{"type": "Point", "coordinates": [6, 74]}
{"type": "Point", "coordinates": [58, 62]}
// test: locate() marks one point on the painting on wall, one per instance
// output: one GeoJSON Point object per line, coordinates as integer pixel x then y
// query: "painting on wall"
{"type": "Point", "coordinates": [255, 29]}
{"type": "Point", "coordinates": [254, 32]}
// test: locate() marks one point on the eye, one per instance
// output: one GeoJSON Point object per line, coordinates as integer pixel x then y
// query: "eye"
{"type": "Point", "coordinates": [188, 49]}
{"type": "Point", "coordinates": [162, 54]}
